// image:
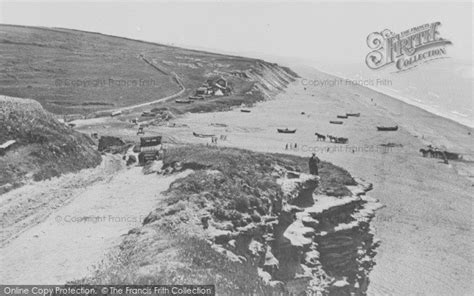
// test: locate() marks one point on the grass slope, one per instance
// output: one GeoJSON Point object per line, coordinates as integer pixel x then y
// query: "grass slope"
{"type": "Point", "coordinates": [44, 147]}
{"type": "Point", "coordinates": [70, 71]}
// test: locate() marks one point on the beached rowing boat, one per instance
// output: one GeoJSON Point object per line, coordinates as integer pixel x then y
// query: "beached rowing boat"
{"type": "Point", "coordinates": [203, 135]}
{"type": "Point", "coordinates": [335, 122]}
{"type": "Point", "coordinates": [387, 128]}
{"type": "Point", "coordinates": [245, 110]}
{"type": "Point", "coordinates": [184, 101]}
{"type": "Point", "coordinates": [148, 114]}
{"type": "Point", "coordinates": [286, 131]}
{"type": "Point", "coordinates": [342, 116]}
{"type": "Point", "coordinates": [219, 124]}
{"type": "Point", "coordinates": [353, 114]}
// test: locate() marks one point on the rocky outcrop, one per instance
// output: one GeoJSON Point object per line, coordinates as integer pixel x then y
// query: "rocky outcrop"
{"type": "Point", "coordinates": [298, 188]}
{"type": "Point", "coordinates": [313, 243]}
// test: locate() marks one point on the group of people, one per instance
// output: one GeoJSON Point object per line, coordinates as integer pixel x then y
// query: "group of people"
{"type": "Point", "coordinates": [221, 137]}
{"type": "Point", "coordinates": [291, 146]}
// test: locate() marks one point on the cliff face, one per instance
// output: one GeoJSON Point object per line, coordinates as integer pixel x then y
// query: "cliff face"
{"type": "Point", "coordinates": [313, 243]}
{"type": "Point", "coordinates": [268, 78]}
{"type": "Point", "coordinates": [44, 147]}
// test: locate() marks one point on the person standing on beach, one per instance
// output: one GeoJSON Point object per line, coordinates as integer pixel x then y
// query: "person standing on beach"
{"type": "Point", "coordinates": [313, 164]}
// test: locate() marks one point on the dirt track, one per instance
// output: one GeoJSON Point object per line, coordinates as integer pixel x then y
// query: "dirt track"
{"type": "Point", "coordinates": [31, 204]}
{"type": "Point", "coordinates": [72, 229]}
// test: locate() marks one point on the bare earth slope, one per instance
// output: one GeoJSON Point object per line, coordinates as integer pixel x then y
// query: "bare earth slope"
{"type": "Point", "coordinates": [73, 238]}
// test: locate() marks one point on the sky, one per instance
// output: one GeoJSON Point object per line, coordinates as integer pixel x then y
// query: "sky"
{"type": "Point", "coordinates": [320, 31]}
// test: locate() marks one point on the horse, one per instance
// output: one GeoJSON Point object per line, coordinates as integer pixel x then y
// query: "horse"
{"type": "Point", "coordinates": [438, 154]}
{"type": "Point", "coordinates": [426, 152]}
{"type": "Point", "coordinates": [331, 138]}
{"type": "Point", "coordinates": [320, 137]}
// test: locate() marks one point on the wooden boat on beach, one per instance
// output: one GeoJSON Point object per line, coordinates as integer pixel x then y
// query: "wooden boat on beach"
{"type": "Point", "coordinates": [342, 116]}
{"type": "Point", "coordinates": [335, 122]}
{"type": "Point", "coordinates": [387, 128]}
{"type": "Point", "coordinates": [353, 114]}
{"type": "Point", "coordinates": [148, 114]}
{"type": "Point", "coordinates": [219, 124]}
{"type": "Point", "coordinates": [245, 110]}
{"type": "Point", "coordinates": [196, 98]}
{"type": "Point", "coordinates": [286, 131]}
{"type": "Point", "coordinates": [184, 101]}
{"type": "Point", "coordinates": [203, 135]}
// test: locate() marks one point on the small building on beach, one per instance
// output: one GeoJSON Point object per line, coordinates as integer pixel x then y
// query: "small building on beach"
{"type": "Point", "coordinates": [214, 87]}
{"type": "Point", "coordinates": [201, 91]}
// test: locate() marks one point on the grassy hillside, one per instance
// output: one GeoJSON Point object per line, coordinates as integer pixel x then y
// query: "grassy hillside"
{"type": "Point", "coordinates": [71, 71]}
{"type": "Point", "coordinates": [44, 147]}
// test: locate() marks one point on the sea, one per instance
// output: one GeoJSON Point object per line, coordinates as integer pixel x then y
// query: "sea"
{"type": "Point", "coordinates": [442, 86]}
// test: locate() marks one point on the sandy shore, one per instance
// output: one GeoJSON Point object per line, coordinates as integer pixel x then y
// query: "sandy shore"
{"type": "Point", "coordinates": [425, 226]}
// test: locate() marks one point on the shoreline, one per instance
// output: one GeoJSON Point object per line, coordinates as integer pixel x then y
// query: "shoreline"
{"type": "Point", "coordinates": [406, 100]}
{"type": "Point", "coordinates": [417, 120]}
